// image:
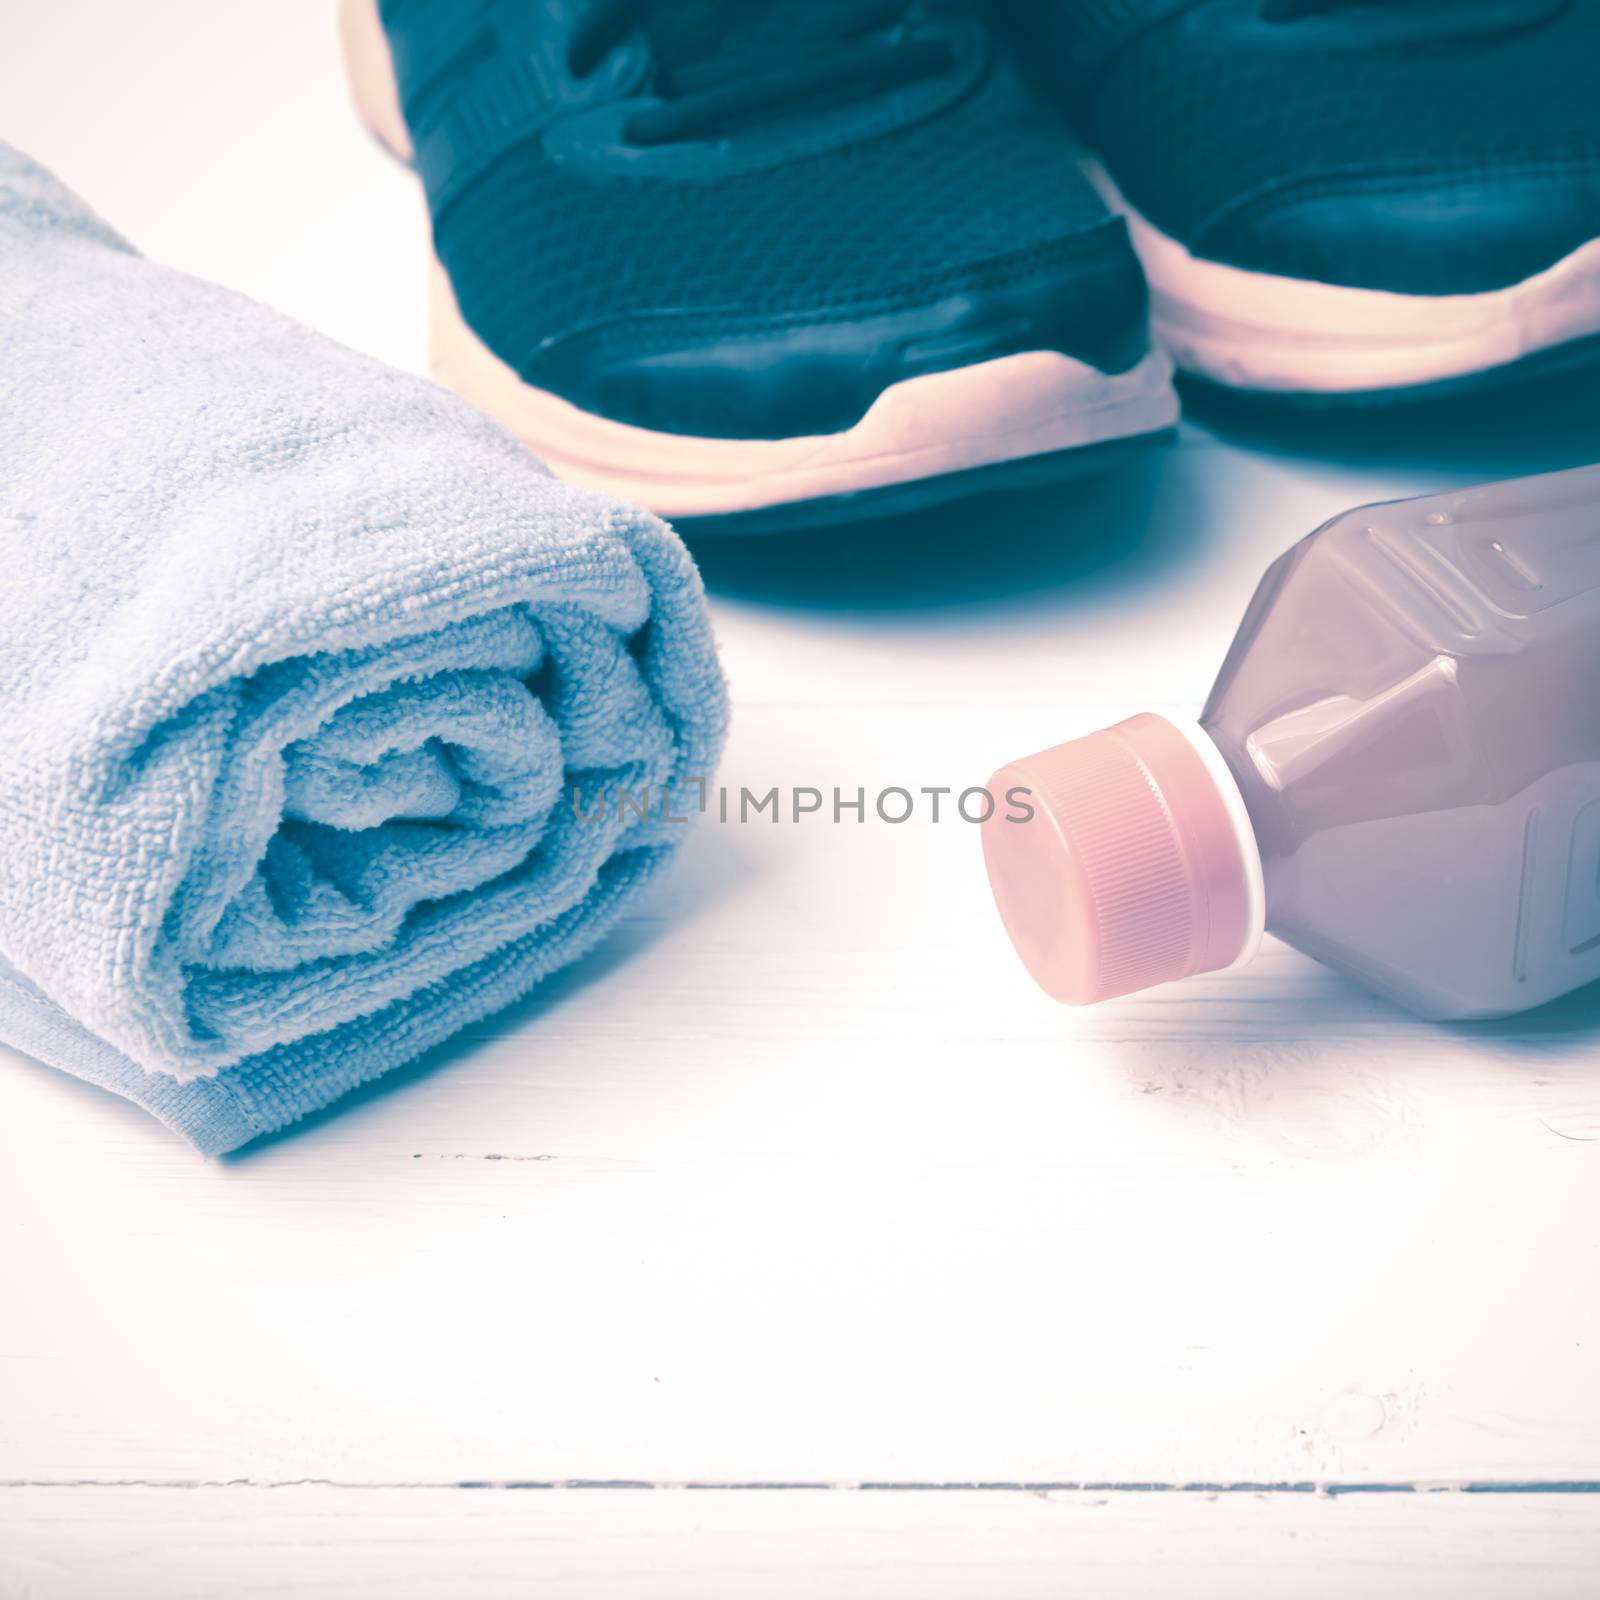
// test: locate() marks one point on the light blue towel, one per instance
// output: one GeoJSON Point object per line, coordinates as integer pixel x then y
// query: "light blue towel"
{"type": "Point", "coordinates": [300, 660]}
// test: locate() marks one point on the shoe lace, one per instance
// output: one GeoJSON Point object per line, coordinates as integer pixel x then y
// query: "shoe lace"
{"type": "Point", "coordinates": [711, 84]}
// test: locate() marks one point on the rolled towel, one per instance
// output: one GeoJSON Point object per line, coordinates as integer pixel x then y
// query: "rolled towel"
{"type": "Point", "coordinates": [301, 662]}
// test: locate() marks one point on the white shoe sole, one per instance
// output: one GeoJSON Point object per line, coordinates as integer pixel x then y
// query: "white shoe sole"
{"type": "Point", "coordinates": [1012, 408]}
{"type": "Point", "coordinates": [1255, 330]}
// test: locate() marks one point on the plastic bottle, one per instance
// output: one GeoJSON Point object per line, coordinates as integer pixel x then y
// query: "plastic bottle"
{"type": "Point", "coordinates": [1398, 772]}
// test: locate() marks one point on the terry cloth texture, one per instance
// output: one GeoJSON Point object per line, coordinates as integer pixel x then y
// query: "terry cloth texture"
{"type": "Point", "coordinates": [301, 659]}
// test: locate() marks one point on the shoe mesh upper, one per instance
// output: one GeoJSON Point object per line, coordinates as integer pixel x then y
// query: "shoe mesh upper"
{"type": "Point", "coordinates": [986, 188]}
{"type": "Point", "coordinates": [1218, 107]}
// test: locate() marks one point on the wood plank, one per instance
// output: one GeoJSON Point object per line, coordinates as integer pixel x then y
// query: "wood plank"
{"type": "Point", "coordinates": [798, 1179]}
{"type": "Point", "coordinates": [374, 1544]}
{"type": "Point", "coordinates": [801, 1179]}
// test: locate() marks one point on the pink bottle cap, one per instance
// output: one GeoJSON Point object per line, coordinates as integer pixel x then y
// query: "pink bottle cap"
{"type": "Point", "coordinates": [1137, 866]}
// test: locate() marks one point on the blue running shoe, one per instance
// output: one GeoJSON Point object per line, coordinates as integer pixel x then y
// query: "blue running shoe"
{"type": "Point", "coordinates": [760, 262]}
{"type": "Point", "coordinates": [1349, 197]}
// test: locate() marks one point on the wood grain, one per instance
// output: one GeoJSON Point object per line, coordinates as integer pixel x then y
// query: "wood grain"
{"type": "Point", "coordinates": [798, 1181]}
{"type": "Point", "coordinates": [397, 1543]}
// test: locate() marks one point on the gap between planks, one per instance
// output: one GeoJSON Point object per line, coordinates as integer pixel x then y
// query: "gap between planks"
{"type": "Point", "coordinates": [1328, 1490]}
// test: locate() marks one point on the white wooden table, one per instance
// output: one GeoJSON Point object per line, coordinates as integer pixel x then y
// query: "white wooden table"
{"type": "Point", "coordinates": [794, 1244]}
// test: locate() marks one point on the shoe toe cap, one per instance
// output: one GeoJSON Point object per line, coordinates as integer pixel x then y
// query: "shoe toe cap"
{"type": "Point", "coordinates": [805, 372]}
{"type": "Point", "coordinates": [1457, 234]}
